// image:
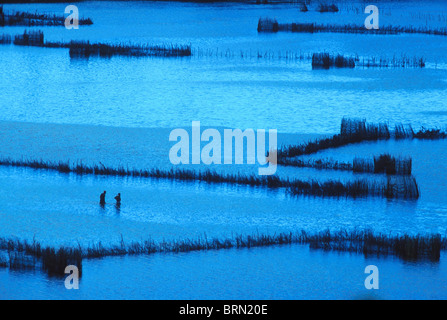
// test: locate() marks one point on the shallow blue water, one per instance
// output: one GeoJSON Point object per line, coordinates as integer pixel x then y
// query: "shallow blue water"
{"type": "Point", "coordinates": [44, 85]}
{"type": "Point", "coordinates": [287, 272]}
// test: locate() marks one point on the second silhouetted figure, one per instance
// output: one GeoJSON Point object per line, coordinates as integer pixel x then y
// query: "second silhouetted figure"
{"type": "Point", "coordinates": [118, 199]}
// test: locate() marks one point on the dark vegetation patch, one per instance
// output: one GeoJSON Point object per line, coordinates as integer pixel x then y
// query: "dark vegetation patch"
{"type": "Point", "coordinates": [384, 163]}
{"type": "Point", "coordinates": [327, 8]}
{"type": "Point", "coordinates": [29, 256]}
{"type": "Point", "coordinates": [325, 61]}
{"type": "Point", "coordinates": [356, 131]}
{"type": "Point", "coordinates": [272, 25]}
{"type": "Point", "coordinates": [19, 18]}
{"type": "Point", "coordinates": [85, 49]}
{"type": "Point", "coordinates": [5, 39]}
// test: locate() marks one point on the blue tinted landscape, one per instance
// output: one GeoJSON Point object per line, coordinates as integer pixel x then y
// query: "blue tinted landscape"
{"type": "Point", "coordinates": [361, 151]}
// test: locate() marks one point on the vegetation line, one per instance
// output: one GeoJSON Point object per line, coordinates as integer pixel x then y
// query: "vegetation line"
{"type": "Point", "coordinates": [25, 255]}
{"type": "Point", "coordinates": [19, 18]}
{"type": "Point", "coordinates": [384, 163]}
{"type": "Point", "coordinates": [5, 39]}
{"type": "Point", "coordinates": [326, 61]}
{"type": "Point", "coordinates": [403, 188]}
{"type": "Point", "coordinates": [356, 131]}
{"type": "Point", "coordinates": [85, 49]}
{"type": "Point", "coordinates": [272, 25]}
{"type": "Point", "coordinates": [318, 59]}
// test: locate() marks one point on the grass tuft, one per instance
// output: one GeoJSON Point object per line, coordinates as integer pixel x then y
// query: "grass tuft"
{"type": "Point", "coordinates": [400, 166]}
{"type": "Point", "coordinates": [327, 8]}
{"type": "Point", "coordinates": [85, 49]}
{"type": "Point", "coordinates": [20, 18]}
{"type": "Point", "coordinates": [272, 25]}
{"type": "Point", "coordinates": [325, 61]}
{"type": "Point", "coordinates": [5, 39]}
{"type": "Point", "coordinates": [54, 260]}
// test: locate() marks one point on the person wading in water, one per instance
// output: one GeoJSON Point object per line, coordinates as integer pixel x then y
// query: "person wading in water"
{"type": "Point", "coordinates": [118, 199]}
{"type": "Point", "coordinates": [102, 198]}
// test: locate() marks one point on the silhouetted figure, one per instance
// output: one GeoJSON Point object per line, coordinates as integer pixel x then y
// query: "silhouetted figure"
{"type": "Point", "coordinates": [118, 199]}
{"type": "Point", "coordinates": [102, 198]}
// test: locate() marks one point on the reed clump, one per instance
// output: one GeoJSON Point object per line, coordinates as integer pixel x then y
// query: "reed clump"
{"type": "Point", "coordinates": [87, 49]}
{"type": "Point", "coordinates": [328, 164]}
{"type": "Point", "coordinates": [403, 187]}
{"type": "Point", "coordinates": [359, 129]}
{"type": "Point", "coordinates": [383, 163]}
{"type": "Point", "coordinates": [396, 187]}
{"type": "Point", "coordinates": [20, 261]}
{"type": "Point", "coordinates": [31, 38]}
{"type": "Point", "coordinates": [395, 62]}
{"type": "Point", "coordinates": [268, 25]}
{"type": "Point", "coordinates": [19, 18]}
{"type": "Point", "coordinates": [406, 247]}
{"type": "Point", "coordinates": [430, 134]}
{"type": "Point", "coordinates": [3, 262]}
{"type": "Point", "coordinates": [326, 61]}
{"type": "Point", "coordinates": [24, 255]}
{"type": "Point", "coordinates": [403, 132]}
{"type": "Point", "coordinates": [265, 26]}
{"type": "Point", "coordinates": [5, 39]}
{"type": "Point", "coordinates": [362, 165]}
{"type": "Point", "coordinates": [407, 132]}
{"type": "Point", "coordinates": [54, 261]}
{"type": "Point", "coordinates": [327, 8]}
{"type": "Point", "coordinates": [331, 188]}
